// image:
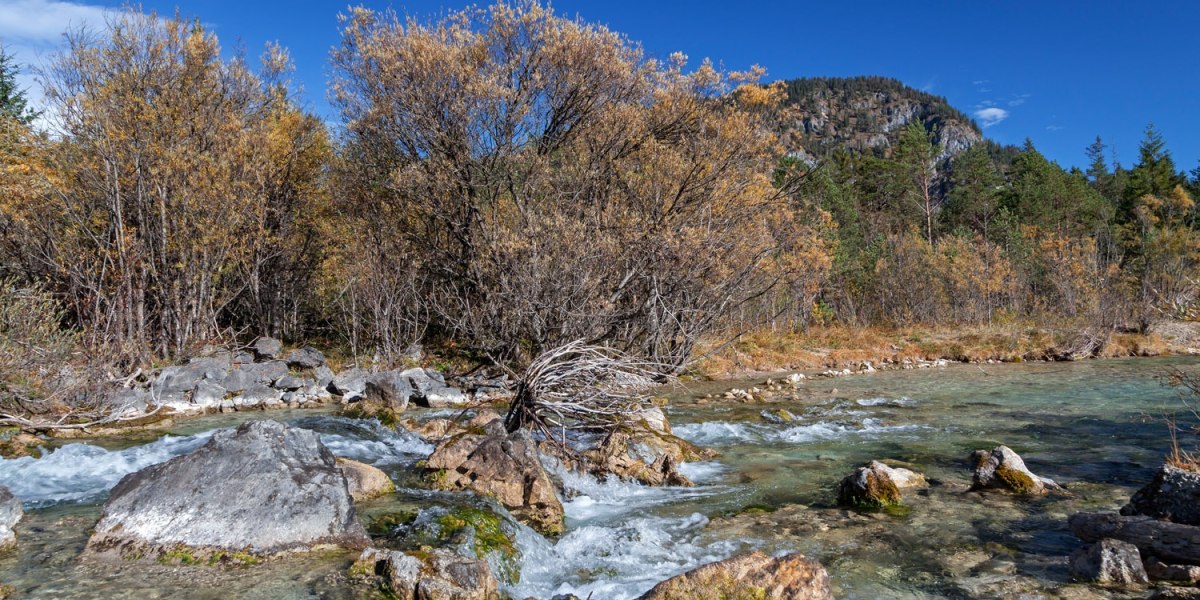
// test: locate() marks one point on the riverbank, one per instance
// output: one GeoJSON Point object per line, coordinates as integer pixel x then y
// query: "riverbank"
{"type": "Point", "coordinates": [765, 351]}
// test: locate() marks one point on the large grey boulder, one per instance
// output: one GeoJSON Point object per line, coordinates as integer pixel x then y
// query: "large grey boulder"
{"type": "Point", "coordinates": [350, 383]}
{"type": "Point", "coordinates": [262, 489]}
{"type": "Point", "coordinates": [430, 389]}
{"type": "Point", "coordinates": [1173, 495]}
{"type": "Point", "coordinates": [305, 358]}
{"type": "Point", "coordinates": [255, 375]}
{"type": "Point", "coordinates": [10, 514]}
{"type": "Point", "coordinates": [1110, 562]}
{"type": "Point", "coordinates": [266, 348]}
{"type": "Point", "coordinates": [753, 575]}
{"type": "Point", "coordinates": [391, 389]}
{"type": "Point", "coordinates": [439, 574]}
{"type": "Point", "coordinates": [1003, 469]}
{"type": "Point", "coordinates": [174, 384]}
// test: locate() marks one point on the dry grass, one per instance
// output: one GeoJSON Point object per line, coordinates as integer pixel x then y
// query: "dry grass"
{"type": "Point", "coordinates": [767, 350]}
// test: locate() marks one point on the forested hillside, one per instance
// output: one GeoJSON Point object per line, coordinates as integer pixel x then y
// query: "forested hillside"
{"type": "Point", "coordinates": [504, 180]}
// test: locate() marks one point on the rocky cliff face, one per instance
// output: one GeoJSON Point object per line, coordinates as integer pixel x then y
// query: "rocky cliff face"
{"type": "Point", "coordinates": [866, 114]}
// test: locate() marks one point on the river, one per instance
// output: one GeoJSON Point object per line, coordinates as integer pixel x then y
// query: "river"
{"type": "Point", "coordinates": [1094, 426]}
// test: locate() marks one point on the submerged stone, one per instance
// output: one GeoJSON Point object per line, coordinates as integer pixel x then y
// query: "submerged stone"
{"type": "Point", "coordinates": [428, 574]}
{"type": "Point", "coordinates": [262, 489]}
{"type": "Point", "coordinates": [364, 481]}
{"type": "Point", "coordinates": [754, 576]}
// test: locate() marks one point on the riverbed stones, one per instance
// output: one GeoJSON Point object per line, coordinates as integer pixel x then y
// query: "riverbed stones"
{"type": "Point", "coordinates": [1160, 571]}
{"type": "Point", "coordinates": [1003, 469]}
{"type": "Point", "coordinates": [504, 466]}
{"type": "Point", "coordinates": [876, 485]}
{"type": "Point", "coordinates": [364, 481]}
{"type": "Point", "coordinates": [430, 574]}
{"type": "Point", "coordinates": [262, 489]}
{"type": "Point", "coordinates": [753, 576]}
{"type": "Point", "coordinates": [10, 514]}
{"type": "Point", "coordinates": [390, 389]}
{"type": "Point", "coordinates": [1173, 495]}
{"type": "Point", "coordinates": [350, 383]}
{"type": "Point", "coordinates": [1109, 561]}
{"type": "Point", "coordinates": [305, 358]}
{"type": "Point", "coordinates": [1172, 543]}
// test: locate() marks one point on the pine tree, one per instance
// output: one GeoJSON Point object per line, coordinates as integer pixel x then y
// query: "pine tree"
{"type": "Point", "coordinates": [1155, 172]}
{"type": "Point", "coordinates": [13, 103]}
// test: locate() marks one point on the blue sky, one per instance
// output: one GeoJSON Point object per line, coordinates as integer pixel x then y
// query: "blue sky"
{"type": "Point", "coordinates": [1057, 72]}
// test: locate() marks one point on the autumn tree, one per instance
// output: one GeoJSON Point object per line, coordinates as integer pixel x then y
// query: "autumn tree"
{"type": "Point", "coordinates": [167, 166]}
{"type": "Point", "coordinates": [541, 181]}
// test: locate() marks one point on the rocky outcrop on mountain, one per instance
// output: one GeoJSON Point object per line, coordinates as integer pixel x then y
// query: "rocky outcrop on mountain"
{"type": "Point", "coordinates": [260, 490]}
{"type": "Point", "coordinates": [866, 114]}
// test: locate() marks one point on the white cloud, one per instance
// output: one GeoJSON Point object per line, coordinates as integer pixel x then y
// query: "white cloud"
{"type": "Point", "coordinates": [1054, 128]}
{"type": "Point", "coordinates": [991, 116]}
{"type": "Point", "coordinates": [1018, 100]}
{"type": "Point", "coordinates": [42, 22]}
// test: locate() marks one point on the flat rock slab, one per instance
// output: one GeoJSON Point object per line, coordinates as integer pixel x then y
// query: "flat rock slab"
{"type": "Point", "coordinates": [262, 489]}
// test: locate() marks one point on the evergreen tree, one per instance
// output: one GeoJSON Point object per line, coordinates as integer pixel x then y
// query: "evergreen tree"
{"type": "Point", "coordinates": [974, 195]}
{"type": "Point", "coordinates": [1155, 172]}
{"type": "Point", "coordinates": [13, 103]}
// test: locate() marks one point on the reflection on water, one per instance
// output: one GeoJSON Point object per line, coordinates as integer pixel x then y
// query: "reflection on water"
{"type": "Point", "coordinates": [1087, 425]}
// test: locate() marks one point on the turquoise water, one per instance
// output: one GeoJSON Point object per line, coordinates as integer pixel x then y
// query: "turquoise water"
{"type": "Point", "coordinates": [1094, 427]}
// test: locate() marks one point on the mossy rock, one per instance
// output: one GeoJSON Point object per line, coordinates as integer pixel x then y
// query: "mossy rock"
{"type": "Point", "coordinates": [1017, 481]}
{"type": "Point", "coordinates": [490, 537]}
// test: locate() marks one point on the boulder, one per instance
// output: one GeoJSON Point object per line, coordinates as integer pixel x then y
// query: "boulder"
{"type": "Point", "coordinates": [349, 383]}
{"type": "Point", "coordinates": [305, 358]}
{"type": "Point", "coordinates": [442, 397]}
{"type": "Point", "coordinates": [324, 375]}
{"type": "Point", "coordinates": [753, 576]}
{"type": "Point", "coordinates": [10, 514]}
{"type": "Point", "coordinates": [258, 396]}
{"type": "Point", "coordinates": [364, 481]}
{"type": "Point", "coordinates": [255, 374]}
{"type": "Point", "coordinates": [389, 388]}
{"type": "Point", "coordinates": [437, 574]}
{"type": "Point", "coordinates": [876, 485]}
{"type": "Point", "coordinates": [262, 489]}
{"type": "Point", "coordinates": [174, 383]}
{"type": "Point", "coordinates": [654, 419]}
{"type": "Point", "coordinates": [1173, 495]}
{"type": "Point", "coordinates": [1109, 561]}
{"type": "Point", "coordinates": [291, 383]}
{"type": "Point", "coordinates": [1160, 571]}
{"type": "Point", "coordinates": [1003, 469]}
{"type": "Point", "coordinates": [266, 348]}
{"type": "Point", "coordinates": [1176, 593]}
{"type": "Point", "coordinates": [208, 395]}
{"type": "Point", "coordinates": [504, 466]}
{"type": "Point", "coordinates": [640, 454]}
{"type": "Point", "coordinates": [1169, 542]}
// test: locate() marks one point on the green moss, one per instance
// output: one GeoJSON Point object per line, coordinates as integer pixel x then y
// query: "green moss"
{"type": "Point", "coordinates": [182, 555]}
{"type": "Point", "coordinates": [1016, 480]}
{"type": "Point", "coordinates": [240, 559]}
{"type": "Point", "coordinates": [179, 555]}
{"type": "Point", "coordinates": [881, 493]}
{"type": "Point", "coordinates": [385, 524]}
{"type": "Point", "coordinates": [490, 537]}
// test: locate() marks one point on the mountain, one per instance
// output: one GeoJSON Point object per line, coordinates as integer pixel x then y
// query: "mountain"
{"type": "Point", "coordinates": [866, 114]}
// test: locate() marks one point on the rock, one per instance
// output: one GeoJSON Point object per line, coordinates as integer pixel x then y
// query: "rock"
{"type": "Point", "coordinates": [654, 419]}
{"type": "Point", "coordinates": [254, 375]}
{"type": "Point", "coordinates": [504, 466]}
{"type": "Point", "coordinates": [1003, 469]}
{"type": "Point", "coordinates": [10, 514]}
{"type": "Point", "coordinates": [291, 383]}
{"type": "Point", "coordinates": [1169, 542]}
{"type": "Point", "coordinates": [364, 481]}
{"type": "Point", "coordinates": [442, 397]}
{"type": "Point", "coordinates": [779, 417]}
{"type": "Point", "coordinates": [174, 383]}
{"type": "Point", "coordinates": [266, 348]}
{"type": "Point", "coordinates": [258, 396]}
{"type": "Point", "coordinates": [753, 576]}
{"type": "Point", "coordinates": [349, 383]}
{"type": "Point", "coordinates": [1173, 495]}
{"type": "Point", "coordinates": [644, 456]}
{"type": "Point", "coordinates": [262, 489]}
{"type": "Point", "coordinates": [324, 375]}
{"type": "Point", "coordinates": [1110, 562]}
{"type": "Point", "coordinates": [1176, 593]}
{"type": "Point", "coordinates": [437, 574]}
{"type": "Point", "coordinates": [305, 358]}
{"type": "Point", "coordinates": [389, 388]}
{"type": "Point", "coordinates": [877, 485]}
{"type": "Point", "coordinates": [208, 395]}
{"type": "Point", "coordinates": [1160, 571]}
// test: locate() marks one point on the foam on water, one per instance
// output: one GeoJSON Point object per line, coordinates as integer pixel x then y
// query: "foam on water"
{"type": "Point", "coordinates": [723, 433]}
{"type": "Point", "coordinates": [616, 560]}
{"type": "Point", "coordinates": [904, 401]}
{"type": "Point", "coordinates": [83, 472]}
{"type": "Point", "coordinates": [366, 440]}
